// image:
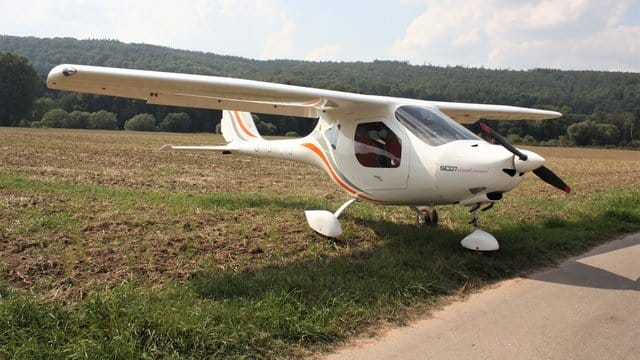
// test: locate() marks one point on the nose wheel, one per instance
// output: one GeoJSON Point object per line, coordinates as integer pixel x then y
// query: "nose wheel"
{"type": "Point", "coordinates": [425, 215]}
{"type": "Point", "coordinates": [479, 240]}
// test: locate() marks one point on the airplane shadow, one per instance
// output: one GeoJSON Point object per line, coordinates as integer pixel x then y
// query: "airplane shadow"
{"type": "Point", "coordinates": [406, 262]}
{"type": "Point", "coordinates": [411, 261]}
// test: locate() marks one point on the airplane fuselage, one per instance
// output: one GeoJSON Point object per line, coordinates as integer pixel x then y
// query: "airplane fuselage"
{"type": "Point", "coordinates": [381, 160]}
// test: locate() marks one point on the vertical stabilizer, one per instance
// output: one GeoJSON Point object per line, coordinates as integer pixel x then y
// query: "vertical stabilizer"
{"type": "Point", "coordinates": [238, 126]}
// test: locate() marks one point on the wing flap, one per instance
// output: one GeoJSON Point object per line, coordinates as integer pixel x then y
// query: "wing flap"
{"type": "Point", "coordinates": [219, 103]}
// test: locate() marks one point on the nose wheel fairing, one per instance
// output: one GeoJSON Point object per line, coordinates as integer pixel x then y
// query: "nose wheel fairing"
{"type": "Point", "coordinates": [479, 240]}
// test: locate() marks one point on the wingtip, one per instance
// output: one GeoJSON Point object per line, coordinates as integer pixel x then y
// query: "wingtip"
{"type": "Point", "coordinates": [557, 114]}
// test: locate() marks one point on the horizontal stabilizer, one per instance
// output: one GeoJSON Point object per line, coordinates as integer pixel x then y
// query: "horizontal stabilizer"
{"type": "Point", "coordinates": [200, 147]}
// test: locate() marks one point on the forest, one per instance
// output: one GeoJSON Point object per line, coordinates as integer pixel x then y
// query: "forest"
{"type": "Point", "coordinates": [601, 108]}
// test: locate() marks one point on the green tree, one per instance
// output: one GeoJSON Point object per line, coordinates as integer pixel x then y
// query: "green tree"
{"type": "Point", "coordinates": [41, 107]}
{"type": "Point", "coordinates": [55, 118]}
{"type": "Point", "coordinates": [607, 134]}
{"type": "Point", "coordinates": [78, 120]}
{"type": "Point", "coordinates": [583, 133]}
{"type": "Point", "coordinates": [632, 125]}
{"type": "Point", "coordinates": [176, 122]}
{"type": "Point", "coordinates": [266, 128]}
{"type": "Point", "coordinates": [18, 88]}
{"type": "Point", "coordinates": [71, 101]}
{"type": "Point", "coordinates": [141, 122]}
{"type": "Point", "coordinates": [591, 133]}
{"type": "Point", "coordinates": [563, 141]}
{"type": "Point", "coordinates": [103, 120]}
{"type": "Point", "coordinates": [514, 138]}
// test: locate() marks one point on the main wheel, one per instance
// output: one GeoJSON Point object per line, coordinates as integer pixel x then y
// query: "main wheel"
{"type": "Point", "coordinates": [434, 217]}
{"type": "Point", "coordinates": [426, 218]}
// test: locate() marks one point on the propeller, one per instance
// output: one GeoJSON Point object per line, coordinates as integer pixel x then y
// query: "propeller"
{"type": "Point", "coordinates": [503, 141]}
{"type": "Point", "coordinates": [542, 172]}
{"type": "Point", "coordinates": [551, 178]}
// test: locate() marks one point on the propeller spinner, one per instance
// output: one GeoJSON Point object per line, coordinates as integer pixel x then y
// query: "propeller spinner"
{"type": "Point", "coordinates": [542, 172]}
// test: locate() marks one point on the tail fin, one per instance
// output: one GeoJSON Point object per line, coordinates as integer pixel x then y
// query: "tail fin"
{"type": "Point", "coordinates": [238, 126]}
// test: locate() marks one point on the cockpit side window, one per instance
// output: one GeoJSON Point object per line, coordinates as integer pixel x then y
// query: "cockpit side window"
{"type": "Point", "coordinates": [377, 146]}
{"type": "Point", "coordinates": [431, 126]}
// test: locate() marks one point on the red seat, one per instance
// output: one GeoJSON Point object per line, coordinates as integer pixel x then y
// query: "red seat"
{"type": "Point", "coordinates": [395, 149]}
{"type": "Point", "coordinates": [364, 151]}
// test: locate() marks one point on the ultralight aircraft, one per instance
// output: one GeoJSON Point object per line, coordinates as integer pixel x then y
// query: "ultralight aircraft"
{"type": "Point", "coordinates": [383, 150]}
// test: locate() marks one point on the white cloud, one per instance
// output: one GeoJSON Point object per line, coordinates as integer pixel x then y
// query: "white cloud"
{"type": "Point", "coordinates": [280, 44]}
{"type": "Point", "coordinates": [548, 13]}
{"type": "Point", "coordinates": [268, 9]}
{"type": "Point", "coordinates": [570, 34]}
{"type": "Point", "coordinates": [470, 37]}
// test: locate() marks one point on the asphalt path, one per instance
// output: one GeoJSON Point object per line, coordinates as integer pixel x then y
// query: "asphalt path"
{"type": "Point", "coordinates": [587, 308]}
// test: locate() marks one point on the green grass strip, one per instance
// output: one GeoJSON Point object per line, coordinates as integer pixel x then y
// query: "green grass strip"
{"type": "Point", "coordinates": [284, 310]}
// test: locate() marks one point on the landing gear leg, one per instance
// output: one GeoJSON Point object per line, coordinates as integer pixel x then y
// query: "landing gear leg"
{"type": "Point", "coordinates": [476, 219]}
{"type": "Point", "coordinates": [479, 240]}
{"type": "Point", "coordinates": [425, 215]}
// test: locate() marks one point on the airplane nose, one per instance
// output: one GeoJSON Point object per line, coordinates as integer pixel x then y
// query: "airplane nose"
{"type": "Point", "coordinates": [533, 162]}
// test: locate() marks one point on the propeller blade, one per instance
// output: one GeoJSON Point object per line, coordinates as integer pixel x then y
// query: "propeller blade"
{"type": "Point", "coordinates": [503, 141]}
{"type": "Point", "coordinates": [551, 178]}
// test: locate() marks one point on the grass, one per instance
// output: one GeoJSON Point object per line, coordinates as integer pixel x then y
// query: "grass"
{"type": "Point", "coordinates": [105, 259]}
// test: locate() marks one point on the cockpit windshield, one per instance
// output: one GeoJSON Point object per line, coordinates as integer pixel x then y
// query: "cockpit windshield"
{"type": "Point", "coordinates": [431, 126]}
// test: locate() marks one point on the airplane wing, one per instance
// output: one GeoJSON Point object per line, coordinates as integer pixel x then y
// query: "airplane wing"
{"type": "Point", "coordinates": [211, 92]}
{"type": "Point", "coordinates": [205, 92]}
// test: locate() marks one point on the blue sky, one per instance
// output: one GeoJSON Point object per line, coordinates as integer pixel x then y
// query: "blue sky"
{"type": "Point", "coordinates": [506, 34]}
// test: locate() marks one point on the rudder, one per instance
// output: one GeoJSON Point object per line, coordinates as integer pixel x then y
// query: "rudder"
{"type": "Point", "coordinates": [238, 126]}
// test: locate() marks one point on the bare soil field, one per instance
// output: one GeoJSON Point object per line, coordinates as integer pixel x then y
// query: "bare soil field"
{"type": "Point", "coordinates": [591, 170]}
{"type": "Point", "coordinates": [86, 210]}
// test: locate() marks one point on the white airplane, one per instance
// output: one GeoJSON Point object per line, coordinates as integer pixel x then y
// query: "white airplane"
{"type": "Point", "coordinates": [383, 150]}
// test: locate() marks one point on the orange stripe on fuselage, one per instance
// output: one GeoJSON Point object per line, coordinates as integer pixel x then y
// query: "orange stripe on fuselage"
{"type": "Point", "coordinates": [241, 123]}
{"type": "Point", "coordinates": [335, 176]}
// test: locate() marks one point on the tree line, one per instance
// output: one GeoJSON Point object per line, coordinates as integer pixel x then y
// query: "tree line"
{"type": "Point", "coordinates": [601, 108]}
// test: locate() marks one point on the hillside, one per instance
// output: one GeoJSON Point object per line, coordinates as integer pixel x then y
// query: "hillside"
{"type": "Point", "coordinates": [605, 97]}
